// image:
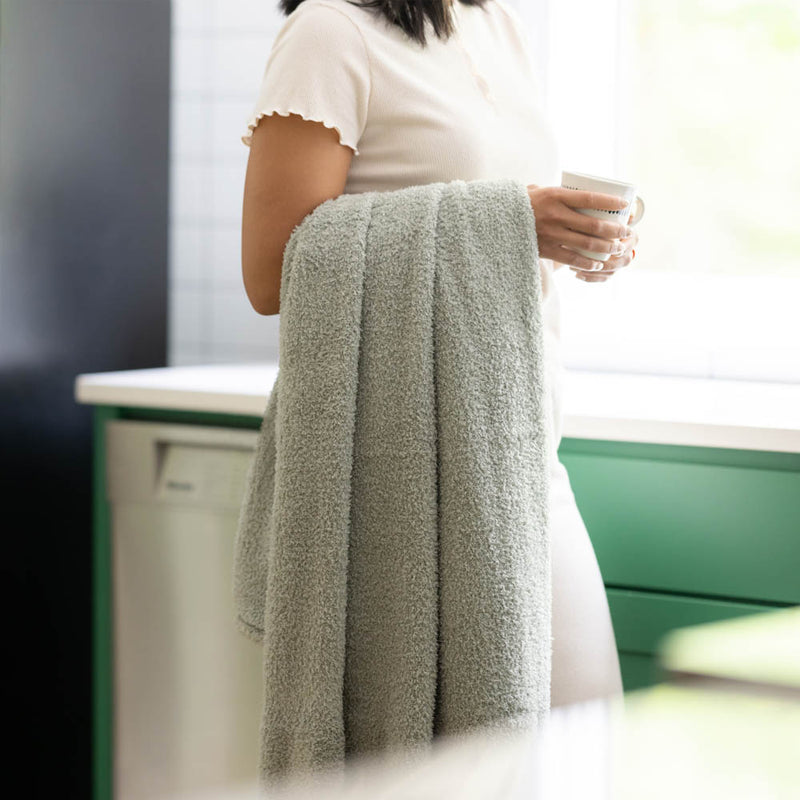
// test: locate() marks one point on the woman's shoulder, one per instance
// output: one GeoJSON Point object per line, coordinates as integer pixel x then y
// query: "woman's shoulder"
{"type": "Point", "coordinates": [323, 29]}
{"type": "Point", "coordinates": [358, 14]}
{"type": "Point", "coordinates": [508, 16]}
{"type": "Point", "coordinates": [374, 28]}
{"type": "Point", "coordinates": [506, 10]}
{"type": "Point", "coordinates": [514, 29]}
{"type": "Point", "coordinates": [370, 15]}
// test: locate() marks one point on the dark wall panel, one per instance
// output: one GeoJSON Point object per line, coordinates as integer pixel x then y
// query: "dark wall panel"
{"type": "Point", "coordinates": [84, 165]}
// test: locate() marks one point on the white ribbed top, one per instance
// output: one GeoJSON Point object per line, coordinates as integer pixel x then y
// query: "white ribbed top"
{"type": "Point", "coordinates": [467, 108]}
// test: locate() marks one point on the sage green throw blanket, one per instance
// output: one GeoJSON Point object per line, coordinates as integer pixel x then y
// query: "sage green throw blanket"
{"type": "Point", "coordinates": [392, 554]}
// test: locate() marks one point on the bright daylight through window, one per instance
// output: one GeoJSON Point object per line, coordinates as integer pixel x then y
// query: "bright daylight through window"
{"type": "Point", "coordinates": [695, 101]}
{"type": "Point", "coordinates": [715, 132]}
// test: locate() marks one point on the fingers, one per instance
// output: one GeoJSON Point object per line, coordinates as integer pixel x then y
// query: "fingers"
{"type": "Point", "coordinates": [568, 257]}
{"type": "Point", "coordinates": [589, 277]}
{"type": "Point", "coordinates": [592, 243]}
{"type": "Point", "coordinates": [593, 277]}
{"type": "Point", "coordinates": [561, 230]}
{"type": "Point", "coordinates": [624, 260]}
{"type": "Point", "coordinates": [579, 198]}
{"type": "Point", "coordinates": [592, 226]}
{"type": "Point", "coordinates": [614, 264]}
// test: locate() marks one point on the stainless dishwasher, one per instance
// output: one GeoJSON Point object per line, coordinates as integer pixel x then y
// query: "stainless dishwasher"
{"type": "Point", "coordinates": [187, 685]}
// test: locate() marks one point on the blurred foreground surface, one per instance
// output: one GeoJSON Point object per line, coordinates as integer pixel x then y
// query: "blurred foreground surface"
{"type": "Point", "coordinates": [665, 742]}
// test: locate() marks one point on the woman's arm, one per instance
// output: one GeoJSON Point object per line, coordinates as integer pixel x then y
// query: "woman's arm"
{"type": "Point", "coordinates": [293, 166]}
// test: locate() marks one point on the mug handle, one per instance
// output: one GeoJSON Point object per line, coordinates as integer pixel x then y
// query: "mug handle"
{"type": "Point", "coordinates": [639, 213]}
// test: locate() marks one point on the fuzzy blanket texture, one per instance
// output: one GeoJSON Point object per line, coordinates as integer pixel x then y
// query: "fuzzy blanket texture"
{"type": "Point", "coordinates": [392, 555]}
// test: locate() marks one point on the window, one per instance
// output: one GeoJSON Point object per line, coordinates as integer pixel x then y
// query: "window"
{"type": "Point", "coordinates": [712, 107]}
{"type": "Point", "coordinates": [696, 102]}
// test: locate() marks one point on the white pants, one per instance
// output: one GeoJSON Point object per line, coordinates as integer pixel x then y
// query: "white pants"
{"type": "Point", "coordinates": [585, 663]}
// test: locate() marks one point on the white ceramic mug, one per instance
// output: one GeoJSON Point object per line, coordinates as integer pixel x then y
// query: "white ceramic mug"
{"type": "Point", "coordinates": [591, 183]}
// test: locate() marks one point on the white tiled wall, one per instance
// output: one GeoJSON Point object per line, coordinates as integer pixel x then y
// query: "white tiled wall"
{"type": "Point", "coordinates": [220, 49]}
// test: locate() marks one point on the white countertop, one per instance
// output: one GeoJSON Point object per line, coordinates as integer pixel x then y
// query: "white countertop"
{"type": "Point", "coordinates": [699, 412]}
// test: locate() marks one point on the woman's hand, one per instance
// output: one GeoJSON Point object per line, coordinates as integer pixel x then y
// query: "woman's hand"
{"type": "Point", "coordinates": [559, 225]}
{"type": "Point", "coordinates": [613, 264]}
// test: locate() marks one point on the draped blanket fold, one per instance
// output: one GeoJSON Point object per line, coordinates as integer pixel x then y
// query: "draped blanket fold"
{"type": "Point", "coordinates": [393, 555]}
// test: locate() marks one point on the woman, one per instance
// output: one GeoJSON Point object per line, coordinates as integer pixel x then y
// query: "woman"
{"type": "Point", "coordinates": [376, 95]}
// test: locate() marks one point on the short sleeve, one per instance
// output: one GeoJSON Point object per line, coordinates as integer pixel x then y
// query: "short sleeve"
{"type": "Point", "coordinates": [318, 68]}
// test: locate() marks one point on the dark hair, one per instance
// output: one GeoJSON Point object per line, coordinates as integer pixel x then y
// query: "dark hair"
{"type": "Point", "coordinates": [408, 15]}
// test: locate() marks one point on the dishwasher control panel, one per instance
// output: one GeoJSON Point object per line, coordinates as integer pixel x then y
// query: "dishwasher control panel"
{"type": "Point", "coordinates": [177, 464]}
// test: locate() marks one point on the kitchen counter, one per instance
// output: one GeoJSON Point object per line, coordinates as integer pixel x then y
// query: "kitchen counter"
{"type": "Point", "coordinates": [696, 412]}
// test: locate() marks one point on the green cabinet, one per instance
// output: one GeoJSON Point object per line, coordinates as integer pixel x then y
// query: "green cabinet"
{"type": "Point", "coordinates": [642, 618]}
{"type": "Point", "coordinates": [686, 535]}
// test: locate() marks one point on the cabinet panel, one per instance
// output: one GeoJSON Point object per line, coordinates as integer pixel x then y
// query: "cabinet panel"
{"type": "Point", "coordinates": [729, 530]}
{"type": "Point", "coordinates": [641, 619]}
{"type": "Point", "coordinates": [638, 671]}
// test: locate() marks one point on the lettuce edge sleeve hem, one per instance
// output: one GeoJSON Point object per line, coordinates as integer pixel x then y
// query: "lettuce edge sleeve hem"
{"type": "Point", "coordinates": [247, 138]}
